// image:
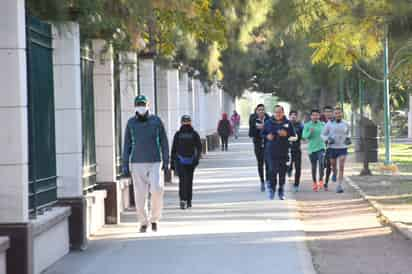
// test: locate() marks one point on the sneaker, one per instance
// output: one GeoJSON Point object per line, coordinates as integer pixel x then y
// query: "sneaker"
{"type": "Point", "coordinates": [154, 227]}
{"type": "Point", "coordinates": [189, 204]}
{"type": "Point", "coordinates": [334, 178]}
{"type": "Point", "coordinates": [339, 189]}
{"type": "Point", "coordinates": [326, 187]}
{"type": "Point", "coordinates": [271, 194]}
{"type": "Point", "coordinates": [143, 229]}
{"type": "Point", "coordinates": [315, 187]}
{"type": "Point", "coordinates": [295, 188]}
{"type": "Point", "coordinates": [262, 187]}
{"type": "Point", "coordinates": [321, 184]}
{"type": "Point", "coordinates": [281, 195]}
{"type": "Point", "coordinates": [182, 205]}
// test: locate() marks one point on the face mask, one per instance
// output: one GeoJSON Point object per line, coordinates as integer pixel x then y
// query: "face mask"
{"type": "Point", "coordinates": [141, 110]}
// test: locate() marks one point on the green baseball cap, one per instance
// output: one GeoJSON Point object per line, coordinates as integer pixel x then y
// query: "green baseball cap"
{"type": "Point", "coordinates": [140, 99]}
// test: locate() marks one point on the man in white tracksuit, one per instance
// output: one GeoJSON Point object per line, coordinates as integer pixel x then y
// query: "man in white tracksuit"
{"type": "Point", "coordinates": [146, 152]}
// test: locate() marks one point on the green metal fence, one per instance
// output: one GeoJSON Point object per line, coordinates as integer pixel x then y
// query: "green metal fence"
{"type": "Point", "coordinates": [117, 116]}
{"type": "Point", "coordinates": [88, 127]}
{"type": "Point", "coordinates": [42, 147]}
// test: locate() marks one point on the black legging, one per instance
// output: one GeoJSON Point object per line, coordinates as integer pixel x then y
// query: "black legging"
{"type": "Point", "coordinates": [260, 158]}
{"type": "Point", "coordinates": [186, 182]}
{"type": "Point", "coordinates": [297, 163]}
{"type": "Point", "coordinates": [316, 157]}
{"type": "Point", "coordinates": [328, 167]}
{"type": "Point", "coordinates": [225, 141]}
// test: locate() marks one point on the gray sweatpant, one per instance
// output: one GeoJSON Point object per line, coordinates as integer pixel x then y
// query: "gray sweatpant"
{"type": "Point", "coordinates": [146, 177]}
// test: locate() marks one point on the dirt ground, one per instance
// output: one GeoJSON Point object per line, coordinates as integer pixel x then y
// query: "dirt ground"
{"type": "Point", "coordinates": [345, 237]}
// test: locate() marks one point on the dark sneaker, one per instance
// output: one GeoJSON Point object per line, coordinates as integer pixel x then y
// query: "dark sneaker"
{"type": "Point", "coordinates": [282, 196]}
{"type": "Point", "coordinates": [143, 229]}
{"type": "Point", "coordinates": [189, 204]}
{"type": "Point", "coordinates": [154, 227]}
{"type": "Point", "coordinates": [262, 187]}
{"type": "Point", "coordinates": [326, 187]}
{"type": "Point", "coordinates": [295, 188]}
{"type": "Point", "coordinates": [182, 205]}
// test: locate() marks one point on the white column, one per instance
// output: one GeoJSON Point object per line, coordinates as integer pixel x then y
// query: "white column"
{"type": "Point", "coordinates": [203, 111]}
{"type": "Point", "coordinates": [68, 109]}
{"type": "Point", "coordinates": [195, 104]}
{"type": "Point", "coordinates": [410, 118]}
{"type": "Point", "coordinates": [190, 97]}
{"type": "Point", "coordinates": [147, 80]}
{"type": "Point", "coordinates": [13, 113]}
{"type": "Point", "coordinates": [174, 102]}
{"type": "Point", "coordinates": [128, 86]}
{"type": "Point", "coordinates": [104, 111]}
{"type": "Point", "coordinates": [184, 94]}
{"type": "Point", "coordinates": [168, 99]}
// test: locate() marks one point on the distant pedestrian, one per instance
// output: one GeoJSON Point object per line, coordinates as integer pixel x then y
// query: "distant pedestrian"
{"type": "Point", "coordinates": [224, 129]}
{"type": "Point", "coordinates": [312, 131]}
{"type": "Point", "coordinates": [235, 120]}
{"type": "Point", "coordinates": [328, 114]}
{"type": "Point", "coordinates": [277, 131]}
{"type": "Point", "coordinates": [146, 149]}
{"type": "Point", "coordinates": [256, 124]}
{"type": "Point", "coordinates": [295, 149]}
{"type": "Point", "coordinates": [186, 151]}
{"type": "Point", "coordinates": [336, 133]}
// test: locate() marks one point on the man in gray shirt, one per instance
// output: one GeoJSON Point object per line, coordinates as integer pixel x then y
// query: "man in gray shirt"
{"type": "Point", "coordinates": [336, 134]}
{"type": "Point", "coordinates": [147, 149]}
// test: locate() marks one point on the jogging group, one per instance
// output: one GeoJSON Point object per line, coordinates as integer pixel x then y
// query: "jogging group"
{"type": "Point", "coordinates": [277, 142]}
{"type": "Point", "coordinates": [277, 145]}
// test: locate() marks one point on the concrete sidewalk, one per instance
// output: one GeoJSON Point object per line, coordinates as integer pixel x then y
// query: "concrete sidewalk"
{"type": "Point", "coordinates": [232, 228]}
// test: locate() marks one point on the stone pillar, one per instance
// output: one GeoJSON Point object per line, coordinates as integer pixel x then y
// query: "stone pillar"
{"type": "Point", "coordinates": [68, 117]}
{"type": "Point", "coordinates": [184, 94]}
{"type": "Point", "coordinates": [14, 215]}
{"type": "Point", "coordinates": [168, 99]}
{"type": "Point", "coordinates": [147, 80]}
{"type": "Point", "coordinates": [104, 112]}
{"type": "Point", "coordinates": [410, 118]}
{"type": "Point", "coordinates": [128, 86]}
{"type": "Point", "coordinates": [68, 110]}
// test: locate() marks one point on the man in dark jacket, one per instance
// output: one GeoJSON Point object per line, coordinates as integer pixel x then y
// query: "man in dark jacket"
{"type": "Point", "coordinates": [224, 129]}
{"type": "Point", "coordinates": [295, 150]}
{"type": "Point", "coordinates": [146, 146]}
{"type": "Point", "coordinates": [186, 151]}
{"type": "Point", "coordinates": [256, 123]}
{"type": "Point", "coordinates": [277, 132]}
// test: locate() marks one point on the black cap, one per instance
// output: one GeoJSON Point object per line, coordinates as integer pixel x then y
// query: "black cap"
{"type": "Point", "coordinates": [186, 118]}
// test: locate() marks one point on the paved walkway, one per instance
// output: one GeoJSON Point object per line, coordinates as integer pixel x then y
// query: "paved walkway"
{"type": "Point", "coordinates": [232, 228]}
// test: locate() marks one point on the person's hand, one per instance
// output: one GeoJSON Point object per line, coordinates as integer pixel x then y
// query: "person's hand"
{"type": "Point", "coordinates": [126, 170]}
{"type": "Point", "coordinates": [348, 141]}
{"type": "Point", "coordinates": [331, 140]}
{"type": "Point", "coordinates": [282, 133]}
{"type": "Point", "coordinates": [270, 137]}
{"type": "Point", "coordinates": [260, 126]}
{"type": "Point", "coordinates": [312, 130]}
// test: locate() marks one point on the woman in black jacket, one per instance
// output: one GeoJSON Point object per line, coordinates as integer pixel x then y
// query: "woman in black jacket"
{"type": "Point", "coordinates": [256, 122]}
{"type": "Point", "coordinates": [186, 152]}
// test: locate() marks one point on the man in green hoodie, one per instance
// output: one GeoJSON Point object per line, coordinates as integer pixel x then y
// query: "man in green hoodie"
{"type": "Point", "coordinates": [312, 132]}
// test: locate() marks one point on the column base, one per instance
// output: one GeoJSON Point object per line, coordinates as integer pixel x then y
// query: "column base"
{"type": "Point", "coordinates": [20, 252]}
{"type": "Point", "coordinates": [118, 198]}
{"type": "Point", "coordinates": [204, 145]}
{"type": "Point", "coordinates": [77, 222]}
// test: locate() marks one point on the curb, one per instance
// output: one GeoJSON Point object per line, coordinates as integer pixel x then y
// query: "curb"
{"type": "Point", "coordinates": [401, 228]}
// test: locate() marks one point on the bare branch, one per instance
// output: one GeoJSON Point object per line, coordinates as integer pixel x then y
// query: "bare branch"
{"type": "Point", "coordinates": [367, 74]}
